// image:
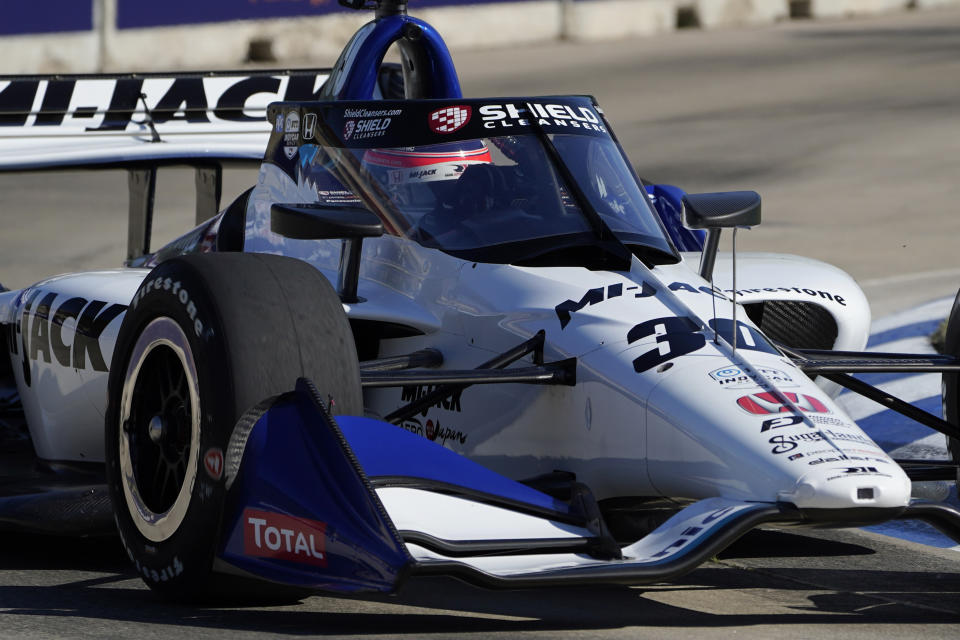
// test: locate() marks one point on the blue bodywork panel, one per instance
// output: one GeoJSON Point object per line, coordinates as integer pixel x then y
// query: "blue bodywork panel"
{"type": "Point", "coordinates": [668, 205]}
{"type": "Point", "coordinates": [355, 74]}
{"type": "Point", "coordinates": [385, 450]}
{"type": "Point", "coordinates": [300, 510]}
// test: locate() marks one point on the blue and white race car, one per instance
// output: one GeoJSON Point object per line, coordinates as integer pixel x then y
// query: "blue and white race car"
{"type": "Point", "coordinates": [440, 335]}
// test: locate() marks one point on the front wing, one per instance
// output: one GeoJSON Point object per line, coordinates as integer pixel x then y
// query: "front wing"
{"type": "Point", "coordinates": [355, 504]}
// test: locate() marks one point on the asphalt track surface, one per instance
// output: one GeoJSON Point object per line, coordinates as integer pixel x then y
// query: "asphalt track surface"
{"type": "Point", "coordinates": [850, 132]}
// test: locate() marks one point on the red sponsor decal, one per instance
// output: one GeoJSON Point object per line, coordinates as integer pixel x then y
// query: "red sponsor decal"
{"type": "Point", "coordinates": [274, 535]}
{"type": "Point", "coordinates": [213, 463]}
{"type": "Point", "coordinates": [766, 403]}
{"type": "Point", "coordinates": [449, 119]}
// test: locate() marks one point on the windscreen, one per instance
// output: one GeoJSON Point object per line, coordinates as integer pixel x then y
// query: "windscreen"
{"type": "Point", "coordinates": [485, 184]}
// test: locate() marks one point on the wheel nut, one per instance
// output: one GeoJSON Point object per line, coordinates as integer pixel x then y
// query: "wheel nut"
{"type": "Point", "coordinates": [155, 429]}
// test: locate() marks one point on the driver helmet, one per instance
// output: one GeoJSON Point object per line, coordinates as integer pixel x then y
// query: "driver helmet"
{"type": "Point", "coordinates": [423, 177]}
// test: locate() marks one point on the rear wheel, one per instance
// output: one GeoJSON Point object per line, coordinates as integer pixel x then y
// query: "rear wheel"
{"type": "Point", "coordinates": [205, 338]}
{"type": "Point", "coordinates": [951, 382]}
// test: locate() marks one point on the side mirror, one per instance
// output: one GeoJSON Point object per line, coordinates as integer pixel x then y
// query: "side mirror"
{"type": "Point", "coordinates": [721, 210]}
{"type": "Point", "coordinates": [715, 212]}
{"type": "Point", "coordinates": [318, 222]}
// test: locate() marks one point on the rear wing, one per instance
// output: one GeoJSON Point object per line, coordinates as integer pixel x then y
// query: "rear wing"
{"type": "Point", "coordinates": [119, 120]}
{"type": "Point", "coordinates": [142, 121]}
{"type": "Point", "coordinates": [139, 122]}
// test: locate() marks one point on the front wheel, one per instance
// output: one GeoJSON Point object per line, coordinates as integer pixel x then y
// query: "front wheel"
{"type": "Point", "coordinates": [205, 338]}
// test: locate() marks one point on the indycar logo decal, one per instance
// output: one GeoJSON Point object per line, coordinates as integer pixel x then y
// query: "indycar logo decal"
{"type": "Point", "coordinates": [449, 119]}
{"type": "Point", "coordinates": [274, 535]}
{"type": "Point", "coordinates": [43, 317]}
{"type": "Point", "coordinates": [763, 404]}
{"type": "Point", "coordinates": [743, 378]}
{"type": "Point", "coordinates": [292, 122]}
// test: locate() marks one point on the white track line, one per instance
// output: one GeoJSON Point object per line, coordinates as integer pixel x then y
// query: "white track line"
{"type": "Point", "coordinates": [935, 310]}
{"type": "Point", "coordinates": [908, 389]}
{"type": "Point", "coordinates": [916, 344]}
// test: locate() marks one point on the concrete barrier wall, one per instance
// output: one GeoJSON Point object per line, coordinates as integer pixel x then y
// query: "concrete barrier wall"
{"type": "Point", "coordinates": [119, 35]}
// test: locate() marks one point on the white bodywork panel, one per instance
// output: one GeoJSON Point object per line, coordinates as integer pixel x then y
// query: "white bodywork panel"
{"type": "Point", "coordinates": [62, 376]}
{"type": "Point", "coordinates": [452, 518]}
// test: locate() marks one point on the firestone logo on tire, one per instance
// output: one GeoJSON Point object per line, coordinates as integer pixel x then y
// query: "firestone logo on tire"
{"type": "Point", "coordinates": [763, 404]}
{"type": "Point", "coordinates": [449, 119]}
{"type": "Point", "coordinates": [274, 535]}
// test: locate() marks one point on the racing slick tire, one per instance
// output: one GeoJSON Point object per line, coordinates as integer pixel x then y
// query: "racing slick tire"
{"type": "Point", "coordinates": [205, 338]}
{"type": "Point", "coordinates": [951, 382]}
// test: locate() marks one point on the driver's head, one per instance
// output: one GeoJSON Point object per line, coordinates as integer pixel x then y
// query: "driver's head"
{"type": "Point", "coordinates": [420, 177]}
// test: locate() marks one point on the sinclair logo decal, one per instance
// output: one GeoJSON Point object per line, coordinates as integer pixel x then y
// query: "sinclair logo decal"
{"type": "Point", "coordinates": [281, 537]}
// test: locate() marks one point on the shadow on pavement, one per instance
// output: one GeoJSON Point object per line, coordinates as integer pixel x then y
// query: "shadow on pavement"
{"type": "Point", "coordinates": [441, 605]}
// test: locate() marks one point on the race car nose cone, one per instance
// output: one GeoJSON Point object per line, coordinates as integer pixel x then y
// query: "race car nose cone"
{"type": "Point", "coordinates": [155, 429]}
{"type": "Point", "coordinates": [850, 487]}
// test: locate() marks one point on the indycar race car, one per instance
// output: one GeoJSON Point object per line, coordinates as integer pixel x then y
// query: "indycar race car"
{"type": "Point", "coordinates": [439, 336]}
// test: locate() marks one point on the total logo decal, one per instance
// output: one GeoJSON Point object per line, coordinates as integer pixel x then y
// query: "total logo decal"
{"type": "Point", "coordinates": [744, 378]}
{"type": "Point", "coordinates": [766, 403]}
{"type": "Point", "coordinates": [281, 537]}
{"type": "Point", "coordinates": [496, 116]}
{"type": "Point", "coordinates": [43, 316]}
{"type": "Point", "coordinates": [449, 119]}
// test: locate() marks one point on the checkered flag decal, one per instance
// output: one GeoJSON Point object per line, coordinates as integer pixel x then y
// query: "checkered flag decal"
{"type": "Point", "coordinates": [449, 119]}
